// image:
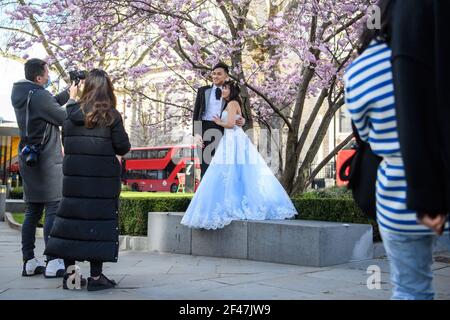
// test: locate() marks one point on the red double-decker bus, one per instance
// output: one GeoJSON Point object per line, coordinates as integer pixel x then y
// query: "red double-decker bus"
{"type": "Point", "coordinates": [342, 156]}
{"type": "Point", "coordinates": [155, 168]}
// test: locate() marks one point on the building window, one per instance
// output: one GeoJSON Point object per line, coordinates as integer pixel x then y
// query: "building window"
{"type": "Point", "coordinates": [345, 123]}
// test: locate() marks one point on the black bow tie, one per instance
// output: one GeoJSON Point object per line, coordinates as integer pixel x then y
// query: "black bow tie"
{"type": "Point", "coordinates": [218, 93]}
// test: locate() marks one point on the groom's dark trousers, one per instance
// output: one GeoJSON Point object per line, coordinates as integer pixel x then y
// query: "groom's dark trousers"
{"type": "Point", "coordinates": [199, 112]}
{"type": "Point", "coordinates": [206, 159]}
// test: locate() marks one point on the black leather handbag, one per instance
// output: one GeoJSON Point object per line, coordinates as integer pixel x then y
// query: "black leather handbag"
{"type": "Point", "coordinates": [362, 175]}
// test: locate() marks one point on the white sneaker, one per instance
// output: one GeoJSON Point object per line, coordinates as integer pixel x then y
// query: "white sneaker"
{"type": "Point", "coordinates": [55, 269]}
{"type": "Point", "coordinates": [33, 267]}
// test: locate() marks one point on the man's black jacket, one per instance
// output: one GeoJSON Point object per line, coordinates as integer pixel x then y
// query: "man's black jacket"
{"type": "Point", "coordinates": [199, 107]}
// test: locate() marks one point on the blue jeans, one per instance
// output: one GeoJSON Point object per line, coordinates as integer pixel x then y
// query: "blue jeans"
{"type": "Point", "coordinates": [33, 214]}
{"type": "Point", "coordinates": [410, 258]}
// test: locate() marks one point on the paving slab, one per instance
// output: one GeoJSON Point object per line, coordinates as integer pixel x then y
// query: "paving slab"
{"type": "Point", "coordinates": [153, 275]}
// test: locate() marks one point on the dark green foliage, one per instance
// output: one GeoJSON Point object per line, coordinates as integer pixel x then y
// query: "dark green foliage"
{"type": "Point", "coordinates": [330, 205]}
{"type": "Point", "coordinates": [16, 193]}
{"type": "Point", "coordinates": [133, 213]}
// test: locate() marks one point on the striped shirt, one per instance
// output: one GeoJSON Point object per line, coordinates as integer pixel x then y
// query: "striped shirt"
{"type": "Point", "coordinates": [369, 95]}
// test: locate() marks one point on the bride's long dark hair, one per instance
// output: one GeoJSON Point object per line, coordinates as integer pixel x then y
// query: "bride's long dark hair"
{"type": "Point", "coordinates": [235, 92]}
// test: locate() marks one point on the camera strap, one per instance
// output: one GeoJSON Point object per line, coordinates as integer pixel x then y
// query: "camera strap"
{"type": "Point", "coordinates": [27, 115]}
{"type": "Point", "coordinates": [27, 118]}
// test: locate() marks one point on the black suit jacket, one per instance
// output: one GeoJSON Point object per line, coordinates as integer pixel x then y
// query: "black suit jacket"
{"type": "Point", "coordinates": [200, 108]}
{"type": "Point", "coordinates": [421, 54]}
{"type": "Point", "coordinates": [200, 103]}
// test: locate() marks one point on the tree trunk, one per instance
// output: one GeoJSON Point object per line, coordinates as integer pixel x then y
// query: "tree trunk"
{"type": "Point", "coordinates": [301, 182]}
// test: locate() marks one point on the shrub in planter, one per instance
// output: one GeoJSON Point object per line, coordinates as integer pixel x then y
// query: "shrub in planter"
{"type": "Point", "coordinates": [133, 213]}
{"type": "Point", "coordinates": [333, 210]}
{"type": "Point", "coordinates": [16, 193]}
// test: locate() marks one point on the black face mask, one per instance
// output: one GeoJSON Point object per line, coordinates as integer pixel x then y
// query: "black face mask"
{"type": "Point", "coordinates": [218, 93]}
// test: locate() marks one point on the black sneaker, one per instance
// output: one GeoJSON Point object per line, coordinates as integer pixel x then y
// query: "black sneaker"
{"type": "Point", "coordinates": [32, 267]}
{"type": "Point", "coordinates": [103, 283]}
{"type": "Point", "coordinates": [83, 282]}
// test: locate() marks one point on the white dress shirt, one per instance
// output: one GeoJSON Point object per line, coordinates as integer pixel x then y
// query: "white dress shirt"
{"type": "Point", "coordinates": [213, 106]}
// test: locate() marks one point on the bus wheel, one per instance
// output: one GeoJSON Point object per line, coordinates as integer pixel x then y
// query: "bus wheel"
{"type": "Point", "coordinates": [135, 187]}
{"type": "Point", "coordinates": [173, 188]}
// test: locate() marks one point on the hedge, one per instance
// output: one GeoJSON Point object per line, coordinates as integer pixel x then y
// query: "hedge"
{"type": "Point", "coordinates": [20, 217]}
{"type": "Point", "coordinates": [16, 193]}
{"type": "Point", "coordinates": [329, 193]}
{"type": "Point", "coordinates": [333, 210]}
{"type": "Point", "coordinates": [133, 215]}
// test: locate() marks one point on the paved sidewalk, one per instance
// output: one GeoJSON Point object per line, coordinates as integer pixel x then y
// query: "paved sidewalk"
{"type": "Point", "coordinates": [169, 276]}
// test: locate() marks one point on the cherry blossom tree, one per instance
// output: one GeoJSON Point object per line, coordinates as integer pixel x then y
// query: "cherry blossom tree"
{"type": "Point", "coordinates": [74, 37]}
{"type": "Point", "coordinates": [282, 52]}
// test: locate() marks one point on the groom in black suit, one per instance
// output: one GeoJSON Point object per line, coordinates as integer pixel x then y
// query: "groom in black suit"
{"type": "Point", "coordinates": [209, 103]}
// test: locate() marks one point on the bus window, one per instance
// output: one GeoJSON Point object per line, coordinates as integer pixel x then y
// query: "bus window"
{"type": "Point", "coordinates": [162, 153]}
{"type": "Point", "coordinates": [152, 154]}
{"type": "Point", "coordinates": [162, 174]}
{"type": "Point", "coordinates": [152, 174]}
{"type": "Point", "coordinates": [127, 175]}
{"type": "Point", "coordinates": [144, 154]}
{"type": "Point", "coordinates": [131, 175]}
{"type": "Point", "coordinates": [138, 174]}
{"type": "Point", "coordinates": [136, 154]}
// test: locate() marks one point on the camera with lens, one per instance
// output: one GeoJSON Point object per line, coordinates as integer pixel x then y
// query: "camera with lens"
{"type": "Point", "coordinates": [31, 154]}
{"type": "Point", "coordinates": [76, 76]}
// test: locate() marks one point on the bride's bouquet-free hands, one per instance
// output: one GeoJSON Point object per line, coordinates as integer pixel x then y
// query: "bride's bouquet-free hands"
{"type": "Point", "coordinates": [240, 121]}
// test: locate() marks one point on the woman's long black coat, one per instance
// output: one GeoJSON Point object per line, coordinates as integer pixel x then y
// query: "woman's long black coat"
{"type": "Point", "coordinates": [86, 226]}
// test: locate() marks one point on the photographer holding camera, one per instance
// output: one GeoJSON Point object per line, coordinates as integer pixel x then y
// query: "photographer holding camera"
{"type": "Point", "coordinates": [39, 115]}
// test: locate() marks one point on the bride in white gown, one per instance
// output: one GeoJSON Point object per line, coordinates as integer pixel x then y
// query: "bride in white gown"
{"type": "Point", "coordinates": [238, 184]}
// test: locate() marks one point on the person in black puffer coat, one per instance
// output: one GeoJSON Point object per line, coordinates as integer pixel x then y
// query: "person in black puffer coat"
{"type": "Point", "coordinates": [86, 225]}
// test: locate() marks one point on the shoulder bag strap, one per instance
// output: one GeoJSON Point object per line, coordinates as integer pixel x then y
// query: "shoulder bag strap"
{"type": "Point", "coordinates": [27, 119]}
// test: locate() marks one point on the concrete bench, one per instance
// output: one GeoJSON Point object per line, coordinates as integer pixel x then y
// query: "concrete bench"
{"type": "Point", "coordinates": [15, 206]}
{"type": "Point", "coordinates": [299, 242]}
